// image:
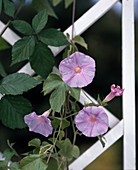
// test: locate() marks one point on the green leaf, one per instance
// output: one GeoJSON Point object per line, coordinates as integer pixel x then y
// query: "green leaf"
{"type": "Point", "coordinates": [35, 142]}
{"type": "Point", "coordinates": [14, 166]}
{"type": "Point", "coordinates": [23, 27]}
{"type": "Point", "coordinates": [8, 7]}
{"type": "Point", "coordinates": [2, 70]}
{"type": "Point", "coordinates": [52, 81]}
{"type": "Point", "coordinates": [33, 162]}
{"type": "Point", "coordinates": [53, 37]}
{"type": "Point", "coordinates": [67, 52]}
{"type": "Point", "coordinates": [61, 135]}
{"type": "Point", "coordinates": [56, 2]}
{"type": "Point", "coordinates": [0, 6]}
{"type": "Point", "coordinates": [75, 107]}
{"type": "Point", "coordinates": [39, 21]}
{"type": "Point", "coordinates": [4, 165]}
{"type": "Point", "coordinates": [42, 60]}
{"type": "Point", "coordinates": [75, 151]}
{"type": "Point", "coordinates": [23, 49]}
{"type": "Point", "coordinates": [17, 83]}
{"type": "Point", "coordinates": [68, 3]}
{"type": "Point", "coordinates": [57, 98]}
{"type": "Point", "coordinates": [44, 4]}
{"type": "Point", "coordinates": [3, 44]}
{"type": "Point", "coordinates": [56, 122]}
{"type": "Point", "coordinates": [12, 111]}
{"type": "Point", "coordinates": [75, 92]}
{"type": "Point", "coordinates": [66, 148]}
{"type": "Point", "coordinates": [80, 40]}
{"type": "Point", "coordinates": [8, 154]}
{"type": "Point", "coordinates": [101, 137]}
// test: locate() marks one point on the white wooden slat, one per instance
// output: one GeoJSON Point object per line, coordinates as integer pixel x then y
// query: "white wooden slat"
{"type": "Point", "coordinates": [96, 150]}
{"type": "Point", "coordinates": [84, 100]}
{"type": "Point", "coordinates": [83, 23]}
{"type": "Point", "coordinates": [10, 36]}
{"type": "Point", "coordinates": [128, 79]}
{"type": "Point", "coordinates": [91, 16]}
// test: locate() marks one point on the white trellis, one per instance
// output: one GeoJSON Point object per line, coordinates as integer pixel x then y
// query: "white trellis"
{"type": "Point", "coordinates": [125, 127]}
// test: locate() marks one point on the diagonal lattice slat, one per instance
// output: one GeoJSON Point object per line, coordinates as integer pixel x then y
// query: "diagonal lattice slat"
{"type": "Point", "coordinates": [84, 22]}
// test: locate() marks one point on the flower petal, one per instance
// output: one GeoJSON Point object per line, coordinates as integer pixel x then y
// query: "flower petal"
{"type": "Point", "coordinates": [82, 78]}
{"type": "Point", "coordinates": [39, 124]}
{"type": "Point", "coordinates": [87, 126]}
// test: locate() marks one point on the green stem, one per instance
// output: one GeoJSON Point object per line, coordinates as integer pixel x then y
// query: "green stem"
{"type": "Point", "coordinates": [8, 23]}
{"type": "Point", "coordinates": [4, 29]}
{"type": "Point", "coordinates": [54, 142]}
{"type": "Point", "coordinates": [70, 115]}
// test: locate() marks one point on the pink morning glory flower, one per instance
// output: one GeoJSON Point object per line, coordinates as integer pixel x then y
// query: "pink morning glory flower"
{"type": "Point", "coordinates": [39, 123]}
{"type": "Point", "coordinates": [115, 91]}
{"type": "Point", "coordinates": [92, 121]}
{"type": "Point", "coordinates": [78, 70]}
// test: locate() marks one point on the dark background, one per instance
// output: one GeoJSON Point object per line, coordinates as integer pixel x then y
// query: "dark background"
{"type": "Point", "coordinates": [104, 45]}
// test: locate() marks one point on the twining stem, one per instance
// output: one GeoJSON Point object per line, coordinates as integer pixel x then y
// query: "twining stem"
{"type": "Point", "coordinates": [18, 7]}
{"type": "Point", "coordinates": [66, 110]}
{"type": "Point", "coordinates": [8, 23]}
{"type": "Point", "coordinates": [70, 115]}
{"type": "Point", "coordinates": [73, 17]}
{"type": "Point", "coordinates": [4, 29]}
{"type": "Point", "coordinates": [54, 142]}
{"type": "Point", "coordinates": [74, 131]}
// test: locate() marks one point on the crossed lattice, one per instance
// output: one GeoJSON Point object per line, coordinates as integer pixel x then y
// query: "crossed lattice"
{"type": "Point", "coordinates": [125, 127]}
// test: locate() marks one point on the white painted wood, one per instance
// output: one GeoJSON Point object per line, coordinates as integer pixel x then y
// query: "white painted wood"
{"type": "Point", "coordinates": [9, 35]}
{"type": "Point", "coordinates": [96, 150]}
{"type": "Point", "coordinates": [84, 100]}
{"type": "Point", "coordinates": [91, 16]}
{"type": "Point", "coordinates": [128, 72]}
{"type": "Point", "coordinates": [83, 23]}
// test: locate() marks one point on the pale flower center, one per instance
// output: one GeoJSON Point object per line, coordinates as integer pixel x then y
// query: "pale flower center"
{"type": "Point", "coordinates": [93, 118]}
{"type": "Point", "coordinates": [77, 69]}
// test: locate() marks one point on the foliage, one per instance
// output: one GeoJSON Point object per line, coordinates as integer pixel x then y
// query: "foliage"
{"type": "Point", "coordinates": [34, 47]}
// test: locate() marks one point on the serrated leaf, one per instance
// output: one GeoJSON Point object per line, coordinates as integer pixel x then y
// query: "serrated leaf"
{"type": "Point", "coordinates": [35, 142]}
{"type": "Point", "coordinates": [14, 166]}
{"type": "Point", "coordinates": [23, 27]}
{"type": "Point", "coordinates": [80, 40]}
{"type": "Point", "coordinates": [17, 83]}
{"type": "Point", "coordinates": [12, 111]}
{"type": "Point", "coordinates": [75, 151]}
{"type": "Point", "coordinates": [23, 49]}
{"type": "Point", "coordinates": [68, 3]}
{"type": "Point", "coordinates": [39, 21]}
{"type": "Point", "coordinates": [3, 44]}
{"type": "Point", "coordinates": [3, 165]}
{"type": "Point", "coordinates": [33, 162]}
{"type": "Point", "coordinates": [75, 92]}
{"type": "Point", "coordinates": [0, 6]}
{"type": "Point", "coordinates": [44, 4]}
{"type": "Point", "coordinates": [66, 149]}
{"type": "Point", "coordinates": [53, 37]}
{"type": "Point", "coordinates": [8, 7]}
{"type": "Point", "coordinates": [42, 60]}
{"type": "Point", "coordinates": [52, 81]}
{"type": "Point", "coordinates": [8, 154]}
{"type": "Point", "coordinates": [2, 70]}
{"type": "Point", "coordinates": [56, 2]}
{"type": "Point", "coordinates": [57, 98]}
